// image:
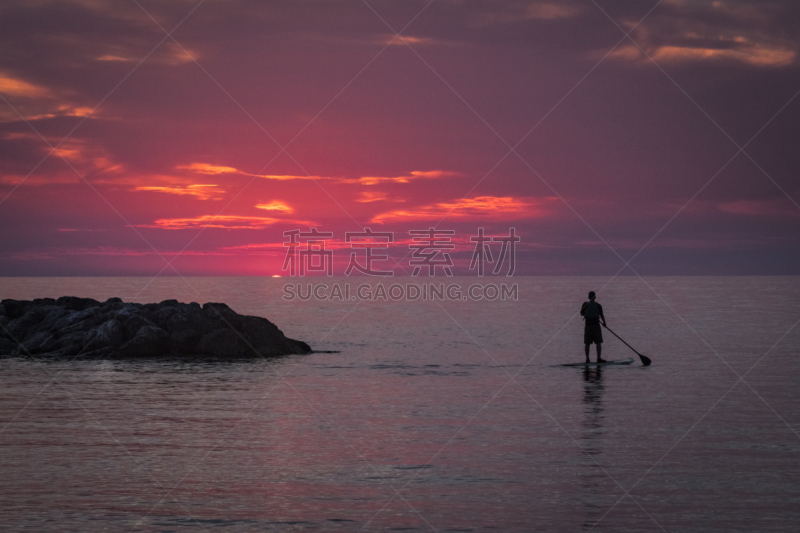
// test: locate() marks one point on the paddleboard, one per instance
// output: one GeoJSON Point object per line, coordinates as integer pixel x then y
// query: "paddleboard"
{"type": "Point", "coordinates": [617, 362]}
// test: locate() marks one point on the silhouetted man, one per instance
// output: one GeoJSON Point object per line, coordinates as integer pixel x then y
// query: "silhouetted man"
{"type": "Point", "coordinates": [592, 313]}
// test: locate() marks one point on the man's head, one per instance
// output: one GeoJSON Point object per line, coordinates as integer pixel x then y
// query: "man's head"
{"type": "Point", "coordinates": [592, 295]}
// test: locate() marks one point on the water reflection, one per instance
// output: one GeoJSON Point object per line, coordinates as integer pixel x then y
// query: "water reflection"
{"type": "Point", "coordinates": [593, 408]}
{"type": "Point", "coordinates": [592, 441]}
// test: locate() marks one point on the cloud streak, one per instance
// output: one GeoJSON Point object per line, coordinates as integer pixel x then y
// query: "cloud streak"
{"type": "Point", "coordinates": [477, 208]}
{"type": "Point", "coordinates": [35, 102]}
{"type": "Point", "coordinates": [369, 180]}
{"type": "Point", "coordinates": [713, 32]}
{"type": "Point", "coordinates": [222, 222]}
{"type": "Point", "coordinates": [201, 191]}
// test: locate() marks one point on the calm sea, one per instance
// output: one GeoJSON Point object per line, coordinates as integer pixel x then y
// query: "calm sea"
{"type": "Point", "coordinates": [434, 416]}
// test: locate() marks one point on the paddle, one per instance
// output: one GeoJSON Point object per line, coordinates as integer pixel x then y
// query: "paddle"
{"type": "Point", "coordinates": [645, 360]}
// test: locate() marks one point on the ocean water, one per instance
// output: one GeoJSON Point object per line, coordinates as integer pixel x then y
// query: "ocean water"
{"type": "Point", "coordinates": [433, 416]}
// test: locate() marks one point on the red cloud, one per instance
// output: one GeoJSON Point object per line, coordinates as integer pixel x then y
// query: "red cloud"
{"type": "Point", "coordinates": [213, 170]}
{"type": "Point", "coordinates": [276, 205]}
{"type": "Point", "coordinates": [201, 191]}
{"type": "Point", "coordinates": [483, 207]}
{"type": "Point", "coordinates": [367, 180]}
{"type": "Point", "coordinates": [222, 221]}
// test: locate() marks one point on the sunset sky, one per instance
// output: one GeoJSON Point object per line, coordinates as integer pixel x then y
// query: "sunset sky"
{"type": "Point", "coordinates": [137, 133]}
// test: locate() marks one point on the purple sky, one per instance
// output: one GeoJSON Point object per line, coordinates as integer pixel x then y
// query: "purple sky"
{"type": "Point", "coordinates": [676, 144]}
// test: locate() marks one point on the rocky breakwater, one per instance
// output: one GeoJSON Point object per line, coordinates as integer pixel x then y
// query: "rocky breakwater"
{"type": "Point", "coordinates": [88, 329]}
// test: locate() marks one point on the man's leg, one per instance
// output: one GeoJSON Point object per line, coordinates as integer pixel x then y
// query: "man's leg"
{"type": "Point", "coordinates": [587, 351]}
{"type": "Point", "coordinates": [599, 351]}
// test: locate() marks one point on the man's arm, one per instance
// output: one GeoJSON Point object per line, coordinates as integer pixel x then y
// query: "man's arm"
{"type": "Point", "coordinates": [602, 316]}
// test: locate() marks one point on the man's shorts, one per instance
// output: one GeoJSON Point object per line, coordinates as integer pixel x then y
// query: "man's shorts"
{"type": "Point", "coordinates": [592, 334]}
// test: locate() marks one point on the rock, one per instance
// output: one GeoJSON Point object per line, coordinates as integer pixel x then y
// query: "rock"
{"type": "Point", "coordinates": [71, 318]}
{"type": "Point", "coordinates": [34, 342]}
{"type": "Point", "coordinates": [184, 341]}
{"type": "Point", "coordinates": [149, 341]}
{"type": "Point", "coordinates": [162, 316]}
{"type": "Point", "coordinates": [82, 327]}
{"type": "Point", "coordinates": [133, 323]}
{"type": "Point", "coordinates": [26, 325]}
{"type": "Point", "coordinates": [7, 347]}
{"type": "Point", "coordinates": [109, 335]}
{"type": "Point", "coordinates": [73, 303]}
{"type": "Point", "coordinates": [71, 343]}
{"type": "Point", "coordinates": [224, 342]}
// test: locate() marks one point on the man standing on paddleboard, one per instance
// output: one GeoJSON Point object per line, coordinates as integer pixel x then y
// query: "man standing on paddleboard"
{"type": "Point", "coordinates": [592, 313]}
